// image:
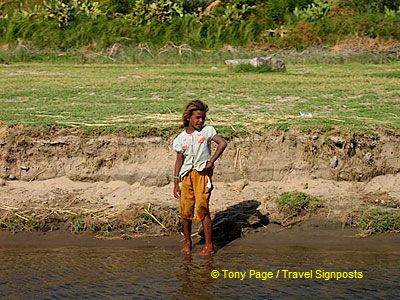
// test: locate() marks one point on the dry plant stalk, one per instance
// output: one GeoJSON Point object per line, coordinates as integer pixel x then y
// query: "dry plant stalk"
{"type": "Point", "coordinates": [143, 47]}
{"type": "Point", "coordinates": [238, 158]}
{"type": "Point", "coordinates": [171, 46]}
{"type": "Point", "coordinates": [155, 219]}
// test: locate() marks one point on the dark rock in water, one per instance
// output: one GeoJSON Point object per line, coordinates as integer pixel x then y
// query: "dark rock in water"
{"type": "Point", "coordinates": [229, 224]}
{"type": "Point", "coordinates": [273, 63]}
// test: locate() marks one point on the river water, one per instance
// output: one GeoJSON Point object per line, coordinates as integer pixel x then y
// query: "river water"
{"type": "Point", "coordinates": [157, 270]}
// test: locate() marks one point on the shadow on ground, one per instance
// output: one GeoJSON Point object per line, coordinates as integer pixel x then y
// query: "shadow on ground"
{"type": "Point", "coordinates": [230, 224]}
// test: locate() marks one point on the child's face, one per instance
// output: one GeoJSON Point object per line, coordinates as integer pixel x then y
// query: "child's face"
{"type": "Point", "coordinates": [197, 119]}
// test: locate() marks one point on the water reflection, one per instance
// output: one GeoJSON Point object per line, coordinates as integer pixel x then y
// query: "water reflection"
{"type": "Point", "coordinates": [194, 278]}
{"type": "Point", "coordinates": [155, 273]}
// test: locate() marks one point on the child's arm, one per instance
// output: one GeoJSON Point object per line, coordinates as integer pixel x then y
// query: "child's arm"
{"type": "Point", "coordinates": [221, 145]}
{"type": "Point", "coordinates": [178, 165]}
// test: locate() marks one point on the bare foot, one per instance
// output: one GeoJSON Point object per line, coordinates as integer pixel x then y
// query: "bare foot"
{"type": "Point", "coordinates": [207, 251]}
{"type": "Point", "coordinates": [186, 249]}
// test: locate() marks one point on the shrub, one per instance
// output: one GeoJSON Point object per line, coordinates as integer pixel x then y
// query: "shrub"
{"type": "Point", "coordinates": [374, 220]}
{"type": "Point", "coordinates": [123, 7]}
{"type": "Point", "coordinates": [292, 203]}
{"type": "Point", "coordinates": [193, 6]}
{"type": "Point", "coordinates": [301, 36]}
{"type": "Point", "coordinates": [233, 12]}
{"type": "Point", "coordinates": [315, 11]}
{"type": "Point", "coordinates": [66, 11]}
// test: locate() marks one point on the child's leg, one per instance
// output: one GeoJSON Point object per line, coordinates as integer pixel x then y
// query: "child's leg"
{"type": "Point", "coordinates": [202, 190]}
{"type": "Point", "coordinates": [186, 208]}
{"type": "Point", "coordinates": [209, 245]}
{"type": "Point", "coordinates": [187, 232]}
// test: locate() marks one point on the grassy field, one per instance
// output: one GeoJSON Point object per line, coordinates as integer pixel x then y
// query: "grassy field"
{"type": "Point", "coordinates": [147, 99]}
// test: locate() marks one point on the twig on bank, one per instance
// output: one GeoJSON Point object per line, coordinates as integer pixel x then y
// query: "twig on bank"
{"type": "Point", "coordinates": [69, 203]}
{"type": "Point", "coordinates": [236, 158]}
{"type": "Point", "coordinates": [155, 219]}
{"type": "Point", "coordinates": [6, 207]}
{"type": "Point", "coordinates": [108, 215]}
{"type": "Point", "coordinates": [296, 221]}
{"type": "Point", "coordinates": [102, 209]}
{"type": "Point", "coordinates": [329, 213]}
{"type": "Point", "coordinates": [22, 217]}
{"type": "Point", "coordinates": [288, 218]}
{"type": "Point", "coordinates": [65, 211]}
{"type": "Point", "coordinates": [37, 174]}
{"type": "Point", "coordinates": [240, 162]}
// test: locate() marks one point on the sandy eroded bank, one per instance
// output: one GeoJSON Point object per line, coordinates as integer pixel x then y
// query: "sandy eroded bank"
{"type": "Point", "coordinates": [74, 177]}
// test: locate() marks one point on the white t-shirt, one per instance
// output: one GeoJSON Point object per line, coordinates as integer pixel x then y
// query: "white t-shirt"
{"type": "Point", "coordinates": [196, 148]}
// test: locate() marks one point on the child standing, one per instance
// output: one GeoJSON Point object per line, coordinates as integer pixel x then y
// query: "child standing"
{"type": "Point", "coordinates": [193, 168]}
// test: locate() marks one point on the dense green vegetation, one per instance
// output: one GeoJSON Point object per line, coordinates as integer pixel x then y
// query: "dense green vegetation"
{"type": "Point", "coordinates": [271, 24]}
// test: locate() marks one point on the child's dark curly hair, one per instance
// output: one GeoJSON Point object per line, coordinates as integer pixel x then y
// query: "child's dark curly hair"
{"type": "Point", "coordinates": [190, 108]}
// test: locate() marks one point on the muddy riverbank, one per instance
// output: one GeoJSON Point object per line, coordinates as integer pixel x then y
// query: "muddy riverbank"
{"type": "Point", "coordinates": [308, 235]}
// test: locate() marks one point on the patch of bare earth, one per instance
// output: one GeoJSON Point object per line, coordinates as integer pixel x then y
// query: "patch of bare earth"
{"type": "Point", "coordinates": [116, 183]}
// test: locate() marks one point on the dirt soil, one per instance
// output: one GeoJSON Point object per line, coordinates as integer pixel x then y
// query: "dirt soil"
{"type": "Point", "coordinates": [68, 175]}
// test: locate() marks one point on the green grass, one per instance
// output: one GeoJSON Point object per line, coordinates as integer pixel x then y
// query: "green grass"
{"type": "Point", "coordinates": [246, 68]}
{"type": "Point", "coordinates": [147, 99]}
{"type": "Point", "coordinates": [15, 224]}
{"type": "Point", "coordinates": [292, 203]}
{"type": "Point", "coordinates": [375, 220]}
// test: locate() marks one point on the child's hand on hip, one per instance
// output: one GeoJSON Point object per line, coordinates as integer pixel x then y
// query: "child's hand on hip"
{"type": "Point", "coordinates": [209, 165]}
{"type": "Point", "coordinates": [177, 190]}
